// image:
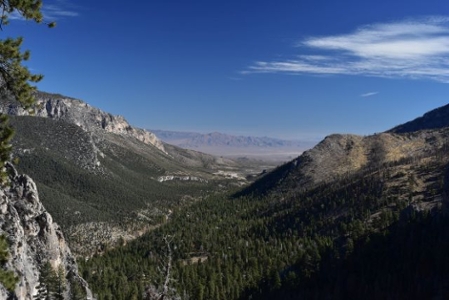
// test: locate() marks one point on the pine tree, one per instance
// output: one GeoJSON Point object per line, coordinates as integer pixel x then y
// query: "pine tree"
{"type": "Point", "coordinates": [46, 282]}
{"type": "Point", "coordinates": [7, 278]}
{"type": "Point", "coordinates": [6, 134]}
{"type": "Point", "coordinates": [42, 292]}
{"type": "Point", "coordinates": [15, 79]}
{"type": "Point", "coordinates": [76, 290]}
{"type": "Point", "coordinates": [60, 283]}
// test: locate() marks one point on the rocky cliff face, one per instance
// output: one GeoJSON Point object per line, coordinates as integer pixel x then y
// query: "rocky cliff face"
{"type": "Point", "coordinates": [34, 239]}
{"type": "Point", "coordinates": [77, 112]}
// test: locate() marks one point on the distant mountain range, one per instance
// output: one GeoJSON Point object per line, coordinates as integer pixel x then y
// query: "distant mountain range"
{"type": "Point", "coordinates": [217, 143]}
{"type": "Point", "coordinates": [217, 139]}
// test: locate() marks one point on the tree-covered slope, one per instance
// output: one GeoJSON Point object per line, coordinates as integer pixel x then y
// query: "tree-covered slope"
{"type": "Point", "coordinates": [293, 243]}
{"type": "Point", "coordinates": [102, 185]}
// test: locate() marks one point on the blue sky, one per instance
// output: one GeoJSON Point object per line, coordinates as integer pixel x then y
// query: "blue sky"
{"type": "Point", "coordinates": [288, 69]}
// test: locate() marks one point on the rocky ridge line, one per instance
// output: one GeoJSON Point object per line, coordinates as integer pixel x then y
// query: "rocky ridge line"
{"type": "Point", "coordinates": [77, 112]}
{"type": "Point", "coordinates": [340, 155]}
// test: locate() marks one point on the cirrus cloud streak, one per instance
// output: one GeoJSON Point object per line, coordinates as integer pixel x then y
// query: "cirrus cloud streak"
{"type": "Point", "coordinates": [369, 94]}
{"type": "Point", "coordinates": [52, 10]}
{"type": "Point", "coordinates": [412, 49]}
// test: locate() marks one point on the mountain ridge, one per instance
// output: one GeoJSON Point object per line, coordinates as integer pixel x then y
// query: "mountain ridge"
{"type": "Point", "coordinates": [80, 113]}
{"type": "Point", "coordinates": [340, 154]}
{"type": "Point", "coordinates": [271, 151]}
{"type": "Point", "coordinates": [434, 119]}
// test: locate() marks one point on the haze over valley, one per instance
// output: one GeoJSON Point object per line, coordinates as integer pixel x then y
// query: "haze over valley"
{"type": "Point", "coordinates": [238, 147]}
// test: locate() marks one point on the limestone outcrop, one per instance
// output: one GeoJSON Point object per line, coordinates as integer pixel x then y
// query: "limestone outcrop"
{"type": "Point", "coordinates": [34, 240]}
{"type": "Point", "coordinates": [77, 112]}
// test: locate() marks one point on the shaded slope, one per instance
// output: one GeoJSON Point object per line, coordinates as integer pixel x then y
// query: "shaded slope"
{"type": "Point", "coordinates": [434, 119]}
{"type": "Point", "coordinates": [406, 261]}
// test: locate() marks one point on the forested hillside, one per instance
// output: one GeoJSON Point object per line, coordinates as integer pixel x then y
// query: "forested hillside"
{"type": "Point", "coordinates": [174, 222]}
{"type": "Point", "coordinates": [100, 186]}
{"type": "Point", "coordinates": [314, 242]}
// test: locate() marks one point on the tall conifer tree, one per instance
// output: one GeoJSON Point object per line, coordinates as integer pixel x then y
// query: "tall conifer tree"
{"type": "Point", "coordinates": [15, 78]}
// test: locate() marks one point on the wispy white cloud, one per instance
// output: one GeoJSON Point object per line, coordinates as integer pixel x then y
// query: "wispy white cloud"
{"type": "Point", "coordinates": [369, 94]}
{"type": "Point", "coordinates": [59, 9]}
{"type": "Point", "coordinates": [414, 48]}
{"type": "Point", "coordinates": [52, 10]}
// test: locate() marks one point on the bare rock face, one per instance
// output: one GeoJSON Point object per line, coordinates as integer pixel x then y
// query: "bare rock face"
{"type": "Point", "coordinates": [77, 112]}
{"type": "Point", "coordinates": [34, 239]}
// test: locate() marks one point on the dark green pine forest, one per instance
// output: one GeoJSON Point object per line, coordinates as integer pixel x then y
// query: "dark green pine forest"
{"type": "Point", "coordinates": [379, 233]}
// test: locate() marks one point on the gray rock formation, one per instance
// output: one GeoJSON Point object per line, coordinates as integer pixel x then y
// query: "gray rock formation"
{"type": "Point", "coordinates": [34, 239]}
{"type": "Point", "coordinates": [77, 112]}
